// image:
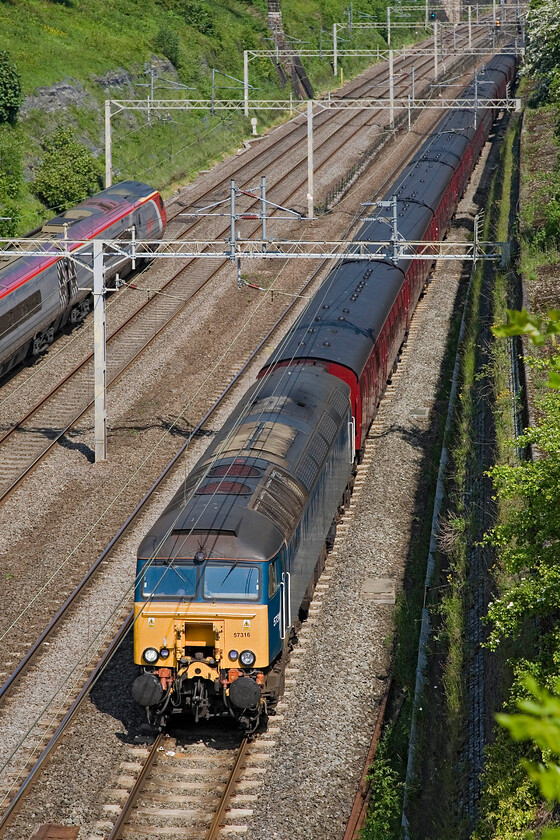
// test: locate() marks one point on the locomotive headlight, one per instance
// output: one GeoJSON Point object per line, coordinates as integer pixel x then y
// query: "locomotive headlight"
{"type": "Point", "coordinates": [233, 654]}
{"type": "Point", "coordinates": [150, 655]}
{"type": "Point", "coordinates": [247, 657]}
{"type": "Point", "coordinates": [164, 652]}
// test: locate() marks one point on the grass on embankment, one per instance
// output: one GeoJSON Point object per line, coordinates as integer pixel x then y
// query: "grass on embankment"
{"type": "Point", "coordinates": [440, 779]}
{"type": "Point", "coordinates": [84, 40]}
{"type": "Point", "coordinates": [511, 807]}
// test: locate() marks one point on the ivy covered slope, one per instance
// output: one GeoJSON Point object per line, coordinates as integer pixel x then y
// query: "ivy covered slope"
{"type": "Point", "coordinates": [522, 779]}
{"type": "Point", "coordinates": [60, 60]}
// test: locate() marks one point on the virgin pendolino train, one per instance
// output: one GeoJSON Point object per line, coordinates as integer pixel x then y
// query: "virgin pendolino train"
{"type": "Point", "coordinates": [225, 571]}
{"type": "Point", "coordinates": [39, 295]}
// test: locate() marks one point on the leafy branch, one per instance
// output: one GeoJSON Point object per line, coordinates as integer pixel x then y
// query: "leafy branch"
{"type": "Point", "coordinates": [539, 722]}
{"type": "Point", "coordinates": [540, 331]}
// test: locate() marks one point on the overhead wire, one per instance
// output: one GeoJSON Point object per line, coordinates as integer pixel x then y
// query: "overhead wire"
{"type": "Point", "coordinates": [145, 459]}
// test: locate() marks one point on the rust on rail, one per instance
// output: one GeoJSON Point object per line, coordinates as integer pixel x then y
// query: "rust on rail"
{"type": "Point", "coordinates": [361, 801]}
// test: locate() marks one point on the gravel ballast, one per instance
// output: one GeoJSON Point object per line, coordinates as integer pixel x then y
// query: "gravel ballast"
{"type": "Point", "coordinates": [344, 648]}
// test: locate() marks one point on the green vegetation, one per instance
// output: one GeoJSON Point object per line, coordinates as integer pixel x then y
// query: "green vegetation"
{"type": "Point", "coordinates": [11, 180]}
{"type": "Point", "coordinates": [67, 173]}
{"type": "Point", "coordinates": [10, 89]}
{"type": "Point", "coordinates": [167, 43]}
{"type": "Point", "coordinates": [95, 49]}
{"type": "Point", "coordinates": [539, 723]}
{"type": "Point", "coordinates": [385, 802]}
{"type": "Point", "coordinates": [521, 775]}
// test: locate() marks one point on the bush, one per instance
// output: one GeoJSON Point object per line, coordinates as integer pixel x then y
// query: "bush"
{"type": "Point", "coordinates": [386, 795]}
{"type": "Point", "coordinates": [68, 173]}
{"type": "Point", "coordinates": [197, 15]}
{"type": "Point", "coordinates": [194, 12]}
{"type": "Point", "coordinates": [11, 180]}
{"type": "Point", "coordinates": [167, 44]}
{"type": "Point", "coordinates": [11, 95]}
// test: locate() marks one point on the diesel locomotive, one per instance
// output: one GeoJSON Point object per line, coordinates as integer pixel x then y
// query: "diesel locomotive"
{"type": "Point", "coordinates": [225, 572]}
{"type": "Point", "coordinates": [39, 295]}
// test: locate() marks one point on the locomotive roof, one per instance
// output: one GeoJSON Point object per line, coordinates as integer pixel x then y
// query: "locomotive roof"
{"type": "Point", "coordinates": [84, 218]}
{"type": "Point", "coordinates": [247, 493]}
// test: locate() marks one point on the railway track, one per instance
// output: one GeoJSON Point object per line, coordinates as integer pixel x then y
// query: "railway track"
{"type": "Point", "coordinates": [45, 735]}
{"type": "Point", "coordinates": [36, 735]}
{"type": "Point", "coordinates": [67, 595]}
{"type": "Point", "coordinates": [27, 439]}
{"type": "Point", "coordinates": [190, 784]}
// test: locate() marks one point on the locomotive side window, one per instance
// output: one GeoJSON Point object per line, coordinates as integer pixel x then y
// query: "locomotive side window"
{"type": "Point", "coordinates": [274, 576]}
{"type": "Point", "coordinates": [19, 313]}
{"type": "Point", "coordinates": [225, 581]}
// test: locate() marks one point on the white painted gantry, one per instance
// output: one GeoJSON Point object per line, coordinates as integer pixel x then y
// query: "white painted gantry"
{"type": "Point", "coordinates": [329, 103]}
{"type": "Point", "coordinates": [116, 106]}
{"type": "Point", "coordinates": [91, 254]}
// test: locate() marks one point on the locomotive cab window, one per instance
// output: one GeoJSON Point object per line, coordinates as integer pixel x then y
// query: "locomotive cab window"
{"type": "Point", "coordinates": [169, 582]}
{"type": "Point", "coordinates": [227, 581]}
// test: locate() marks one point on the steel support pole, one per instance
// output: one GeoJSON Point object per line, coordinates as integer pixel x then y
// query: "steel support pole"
{"type": "Point", "coordinates": [470, 27]}
{"type": "Point", "coordinates": [388, 26]}
{"type": "Point", "coordinates": [335, 50]}
{"type": "Point", "coordinates": [310, 207]}
{"type": "Point", "coordinates": [246, 81]}
{"type": "Point", "coordinates": [232, 218]}
{"type": "Point", "coordinates": [99, 356]}
{"type": "Point", "coordinates": [263, 208]}
{"type": "Point", "coordinates": [108, 152]}
{"type": "Point", "coordinates": [475, 97]}
{"type": "Point", "coordinates": [435, 50]}
{"type": "Point", "coordinates": [391, 92]}
{"type": "Point", "coordinates": [494, 12]}
{"type": "Point", "coordinates": [151, 96]}
{"type": "Point", "coordinates": [426, 15]}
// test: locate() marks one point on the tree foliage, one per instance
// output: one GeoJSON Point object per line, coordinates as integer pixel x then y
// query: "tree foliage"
{"type": "Point", "coordinates": [543, 39]}
{"type": "Point", "coordinates": [11, 95]}
{"type": "Point", "coordinates": [528, 535]}
{"type": "Point", "coordinates": [11, 180]}
{"type": "Point", "coordinates": [167, 43]}
{"type": "Point", "coordinates": [539, 722]}
{"type": "Point", "coordinates": [68, 172]}
{"type": "Point", "coordinates": [540, 330]}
